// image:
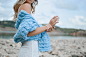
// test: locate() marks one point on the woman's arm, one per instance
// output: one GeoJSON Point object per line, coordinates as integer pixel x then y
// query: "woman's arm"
{"type": "Point", "coordinates": [37, 31]}
{"type": "Point", "coordinates": [27, 8]}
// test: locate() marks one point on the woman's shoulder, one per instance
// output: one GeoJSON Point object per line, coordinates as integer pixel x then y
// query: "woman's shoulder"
{"type": "Point", "coordinates": [26, 7]}
{"type": "Point", "coordinates": [26, 4]}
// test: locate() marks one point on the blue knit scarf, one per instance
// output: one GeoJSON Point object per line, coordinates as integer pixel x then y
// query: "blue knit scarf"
{"type": "Point", "coordinates": [26, 23]}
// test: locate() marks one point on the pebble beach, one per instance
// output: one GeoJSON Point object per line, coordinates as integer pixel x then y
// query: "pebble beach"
{"type": "Point", "coordinates": [60, 48]}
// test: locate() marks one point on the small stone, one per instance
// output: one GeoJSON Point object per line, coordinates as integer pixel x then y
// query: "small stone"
{"type": "Point", "coordinates": [11, 45]}
{"type": "Point", "coordinates": [72, 46]}
{"type": "Point", "coordinates": [50, 52]}
{"type": "Point", "coordinates": [83, 46]}
{"type": "Point", "coordinates": [7, 41]}
{"type": "Point", "coordinates": [42, 56]}
{"type": "Point", "coordinates": [78, 47]}
{"type": "Point", "coordinates": [85, 56]}
{"type": "Point", "coordinates": [7, 56]}
{"type": "Point", "coordinates": [54, 53]}
{"type": "Point", "coordinates": [3, 43]}
{"type": "Point", "coordinates": [84, 52]}
{"type": "Point", "coordinates": [74, 56]}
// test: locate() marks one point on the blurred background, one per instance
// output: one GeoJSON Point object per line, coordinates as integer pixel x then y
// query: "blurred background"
{"type": "Point", "coordinates": [72, 18]}
{"type": "Point", "coordinates": [72, 15]}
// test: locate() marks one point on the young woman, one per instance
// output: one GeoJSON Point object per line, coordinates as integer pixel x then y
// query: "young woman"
{"type": "Point", "coordinates": [30, 48]}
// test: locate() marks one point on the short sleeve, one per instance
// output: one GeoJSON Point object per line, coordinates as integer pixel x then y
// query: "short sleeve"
{"type": "Point", "coordinates": [24, 28]}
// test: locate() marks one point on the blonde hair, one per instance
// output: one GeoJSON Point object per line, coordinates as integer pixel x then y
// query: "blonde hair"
{"type": "Point", "coordinates": [19, 3]}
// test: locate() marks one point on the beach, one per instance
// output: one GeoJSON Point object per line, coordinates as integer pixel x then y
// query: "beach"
{"type": "Point", "coordinates": [60, 48]}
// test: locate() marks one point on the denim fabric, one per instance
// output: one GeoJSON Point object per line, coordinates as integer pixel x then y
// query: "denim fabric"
{"type": "Point", "coordinates": [29, 49]}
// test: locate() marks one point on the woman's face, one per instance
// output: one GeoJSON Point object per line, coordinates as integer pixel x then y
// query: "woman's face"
{"type": "Point", "coordinates": [30, 1]}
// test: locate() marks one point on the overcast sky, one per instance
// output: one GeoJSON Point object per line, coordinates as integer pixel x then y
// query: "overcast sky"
{"type": "Point", "coordinates": [72, 13]}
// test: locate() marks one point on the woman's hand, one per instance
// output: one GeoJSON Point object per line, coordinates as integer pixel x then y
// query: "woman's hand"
{"type": "Point", "coordinates": [52, 23]}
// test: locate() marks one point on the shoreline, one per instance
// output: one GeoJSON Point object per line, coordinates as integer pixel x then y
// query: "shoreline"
{"type": "Point", "coordinates": [60, 48]}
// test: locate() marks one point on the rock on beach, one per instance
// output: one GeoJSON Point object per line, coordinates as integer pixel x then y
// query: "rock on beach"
{"type": "Point", "coordinates": [60, 48]}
